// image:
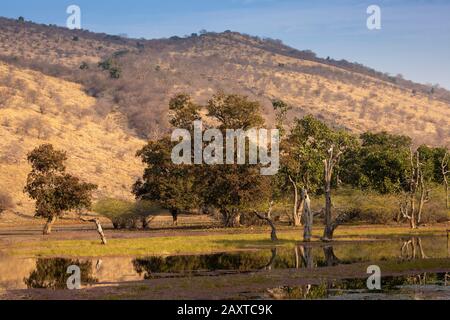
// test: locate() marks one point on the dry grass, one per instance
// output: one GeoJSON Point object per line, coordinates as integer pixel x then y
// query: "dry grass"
{"type": "Point", "coordinates": [62, 114]}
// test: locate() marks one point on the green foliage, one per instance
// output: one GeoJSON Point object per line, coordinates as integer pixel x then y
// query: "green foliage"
{"type": "Point", "coordinates": [305, 149]}
{"type": "Point", "coordinates": [55, 191]}
{"type": "Point", "coordinates": [111, 66]}
{"type": "Point", "coordinates": [381, 164]}
{"type": "Point", "coordinates": [168, 184]}
{"type": "Point", "coordinates": [184, 112]}
{"type": "Point", "coordinates": [234, 111]}
{"type": "Point", "coordinates": [431, 159]}
{"type": "Point", "coordinates": [233, 189]}
{"type": "Point", "coordinates": [281, 109]}
{"type": "Point", "coordinates": [126, 214]}
{"type": "Point", "coordinates": [84, 66]}
{"type": "Point", "coordinates": [52, 273]}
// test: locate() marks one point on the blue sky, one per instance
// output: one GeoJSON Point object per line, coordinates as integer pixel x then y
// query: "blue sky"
{"type": "Point", "coordinates": [414, 39]}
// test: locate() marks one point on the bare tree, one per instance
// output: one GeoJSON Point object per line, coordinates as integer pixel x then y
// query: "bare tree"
{"type": "Point", "coordinates": [273, 234]}
{"type": "Point", "coordinates": [298, 205]}
{"type": "Point", "coordinates": [307, 216]}
{"type": "Point", "coordinates": [98, 226]}
{"type": "Point", "coordinates": [409, 208]}
{"type": "Point", "coordinates": [445, 171]}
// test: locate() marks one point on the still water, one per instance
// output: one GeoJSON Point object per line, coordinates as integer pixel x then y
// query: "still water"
{"type": "Point", "coordinates": [50, 273]}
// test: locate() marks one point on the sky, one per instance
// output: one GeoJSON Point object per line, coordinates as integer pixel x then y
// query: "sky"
{"type": "Point", "coordinates": [414, 39]}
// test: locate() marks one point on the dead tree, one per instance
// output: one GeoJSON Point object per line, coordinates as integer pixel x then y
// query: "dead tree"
{"type": "Point", "coordinates": [445, 171]}
{"type": "Point", "coordinates": [409, 209]}
{"type": "Point", "coordinates": [413, 249]}
{"type": "Point", "coordinates": [273, 234]}
{"type": "Point", "coordinates": [329, 164]}
{"type": "Point", "coordinates": [98, 226]}
{"type": "Point", "coordinates": [308, 216]}
{"type": "Point", "coordinates": [298, 205]}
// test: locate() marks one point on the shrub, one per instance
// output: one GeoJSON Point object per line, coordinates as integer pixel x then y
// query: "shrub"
{"type": "Point", "coordinates": [126, 214]}
{"type": "Point", "coordinates": [84, 66]}
{"type": "Point", "coordinates": [6, 202]}
{"type": "Point", "coordinates": [13, 153]}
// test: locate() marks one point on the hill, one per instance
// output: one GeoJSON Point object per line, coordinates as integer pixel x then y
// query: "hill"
{"type": "Point", "coordinates": [100, 96]}
{"type": "Point", "coordinates": [149, 72]}
{"type": "Point", "coordinates": [38, 109]}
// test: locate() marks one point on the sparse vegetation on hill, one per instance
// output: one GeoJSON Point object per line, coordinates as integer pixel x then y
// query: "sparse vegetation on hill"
{"type": "Point", "coordinates": [147, 72]}
{"type": "Point", "coordinates": [6, 201]}
{"type": "Point", "coordinates": [40, 109]}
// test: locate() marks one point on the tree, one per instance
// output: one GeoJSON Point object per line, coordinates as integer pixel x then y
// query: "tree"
{"type": "Point", "coordinates": [169, 185]}
{"type": "Point", "coordinates": [55, 191]}
{"type": "Point", "coordinates": [303, 151]}
{"type": "Point", "coordinates": [445, 171]}
{"type": "Point", "coordinates": [339, 142]}
{"type": "Point", "coordinates": [380, 164]}
{"type": "Point", "coordinates": [281, 109]}
{"type": "Point", "coordinates": [233, 188]}
{"type": "Point", "coordinates": [267, 218]}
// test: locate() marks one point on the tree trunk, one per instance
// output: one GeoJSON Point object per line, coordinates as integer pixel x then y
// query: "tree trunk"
{"type": "Point", "coordinates": [48, 225]}
{"type": "Point", "coordinates": [328, 232]}
{"type": "Point", "coordinates": [273, 234]}
{"type": "Point", "coordinates": [174, 213]}
{"type": "Point", "coordinates": [330, 257]}
{"type": "Point", "coordinates": [269, 265]}
{"type": "Point", "coordinates": [445, 172]}
{"type": "Point", "coordinates": [231, 219]}
{"type": "Point", "coordinates": [146, 222]}
{"type": "Point", "coordinates": [307, 256]}
{"type": "Point", "coordinates": [99, 228]}
{"type": "Point", "coordinates": [307, 216]}
{"type": "Point", "coordinates": [298, 205]}
{"type": "Point", "coordinates": [446, 194]}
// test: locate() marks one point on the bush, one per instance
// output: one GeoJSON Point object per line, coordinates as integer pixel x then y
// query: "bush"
{"type": "Point", "coordinates": [126, 214]}
{"type": "Point", "coordinates": [6, 202]}
{"type": "Point", "coordinates": [374, 208]}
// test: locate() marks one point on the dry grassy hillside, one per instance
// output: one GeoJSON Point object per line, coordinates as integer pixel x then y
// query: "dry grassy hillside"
{"type": "Point", "coordinates": [36, 109]}
{"type": "Point", "coordinates": [42, 44]}
{"type": "Point", "coordinates": [338, 96]}
{"type": "Point", "coordinates": [151, 71]}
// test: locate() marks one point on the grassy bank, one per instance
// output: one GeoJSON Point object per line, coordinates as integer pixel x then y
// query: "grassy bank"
{"type": "Point", "coordinates": [180, 244]}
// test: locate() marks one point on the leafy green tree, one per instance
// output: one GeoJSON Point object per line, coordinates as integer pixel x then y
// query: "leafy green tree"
{"type": "Point", "coordinates": [233, 188]}
{"type": "Point", "coordinates": [55, 191]}
{"type": "Point", "coordinates": [165, 183]}
{"type": "Point", "coordinates": [380, 164]}
{"type": "Point", "coordinates": [303, 152]}
{"type": "Point", "coordinates": [281, 109]}
{"type": "Point", "coordinates": [435, 166]}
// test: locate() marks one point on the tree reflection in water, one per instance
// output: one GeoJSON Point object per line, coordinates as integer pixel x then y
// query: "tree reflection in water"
{"type": "Point", "coordinates": [52, 273]}
{"type": "Point", "coordinates": [412, 249]}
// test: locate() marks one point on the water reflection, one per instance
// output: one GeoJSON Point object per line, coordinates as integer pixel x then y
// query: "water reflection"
{"type": "Point", "coordinates": [413, 249]}
{"type": "Point", "coordinates": [52, 273]}
{"type": "Point", "coordinates": [422, 285]}
{"type": "Point", "coordinates": [17, 273]}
